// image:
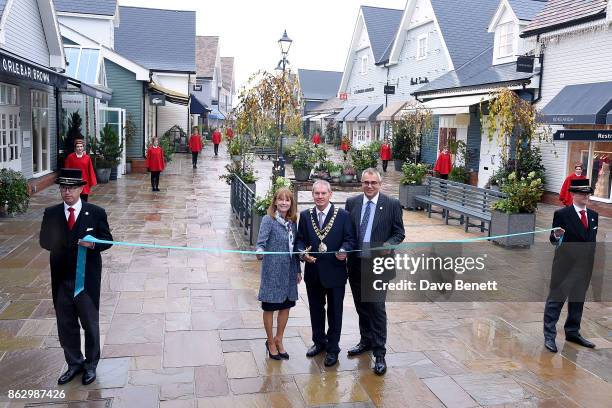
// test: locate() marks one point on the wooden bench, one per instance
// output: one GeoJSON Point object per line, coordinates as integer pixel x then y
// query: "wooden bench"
{"type": "Point", "coordinates": [468, 201]}
{"type": "Point", "coordinates": [264, 151]}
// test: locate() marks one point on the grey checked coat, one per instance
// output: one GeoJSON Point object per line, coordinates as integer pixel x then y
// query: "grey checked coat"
{"type": "Point", "coordinates": [278, 272]}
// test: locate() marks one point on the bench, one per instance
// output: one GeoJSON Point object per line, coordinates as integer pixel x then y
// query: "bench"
{"type": "Point", "coordinates": [468, 201]}
{"type": "Point", "coordinates": [263, 151]}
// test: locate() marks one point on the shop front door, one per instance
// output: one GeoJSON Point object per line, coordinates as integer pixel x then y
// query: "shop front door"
{"type": "Point", "coordinates": [115, 117]}
{"type": "Point", "coordinates": [10, 135]}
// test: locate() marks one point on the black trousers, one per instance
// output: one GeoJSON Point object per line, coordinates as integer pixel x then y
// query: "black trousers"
{"type": "Point", "coordinates": [69, 311]}
{"type": "Point", "coordinates": [194, 158]}
{"type": "Point", "coordinates": [216, 149]}
{"type": "Point", "coordinates": [155, 179]}
{"type": "Point", "coordinates": [372, 315]}
{"type": "Point", "coordinates": [84, 197]}
{"type": "Point", "coordinates": [317, 295]}
{"type": "Point", "coordinates": [444, 176]}
{"type": "Point", "coordinates": [552, 310]}
{"type": "Point", "coordinates": [385, 163]}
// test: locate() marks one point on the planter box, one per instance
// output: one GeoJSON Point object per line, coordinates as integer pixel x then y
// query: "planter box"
{"type": "Point", "coordinates": [103, 175]}
{"type": "Point", "coordinates": [504, 224]}
{"type": "Point", "coordinates": [236, 158]}
{"type": "Point", "coordinates": [398, 164]}
{"type": "Point", "coordinates": [255, 223]}
{"type": "Point", "coordinates": [139, 165]}
{"type": "Point", "coordinates": [407, 194]}
{"type": "Point", "coordinates": [302, 174]}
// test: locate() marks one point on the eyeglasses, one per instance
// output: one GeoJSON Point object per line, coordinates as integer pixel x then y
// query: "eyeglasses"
{"type": "Point", "coordinates": [68, 188]}
{"type": "Point", "coordinates": [370, 183]}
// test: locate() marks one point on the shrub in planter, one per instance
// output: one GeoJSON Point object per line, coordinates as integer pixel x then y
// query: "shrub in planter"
{"type": "Point", "coordinates": [411, 183]}
{"type": "Point", "coordinates": [460, 175]}
{"type": "Point", "coordinates": [364, 158]}
{"type": "Point", "coordinates": [348, 173]}
{"type": "Point", "coordinates": [14, 198]}
{"type": "Point", "coordinates": [306, 155]}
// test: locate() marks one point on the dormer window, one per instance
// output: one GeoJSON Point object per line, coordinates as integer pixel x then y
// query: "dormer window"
{"type": "Point", "coordinates": [421, 47]}
{"type": "Point", "coordinates": [364, 65]}
{"type": "Point", "coordinates": [505, 40]}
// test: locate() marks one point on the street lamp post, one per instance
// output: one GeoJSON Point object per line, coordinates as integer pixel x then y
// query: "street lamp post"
{"type": "Point", "coordinates": [285, 45]}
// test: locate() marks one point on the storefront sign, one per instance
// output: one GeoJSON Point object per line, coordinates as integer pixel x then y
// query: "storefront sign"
{"type": "Point", "coordinates": [197, 88]}
{"type": "Point", "coordinates": [157, 99]}
{"type": "Point", "coordinates": [24, 70]}
{"type": "Point", "coordinates": [26, 138]}
{"type": "Point", "coordinates": [343, 96]}
{"type": "Point", "coordinates": [584, 135]}
{"type": "Point", "coordinates": [358, 91]}
{"type": "Point", "coordinates": [72, 102]}
{"type": "Point", "coordinates": [389, 89]}
{"type": "Point", "coordinates": [524, 64]}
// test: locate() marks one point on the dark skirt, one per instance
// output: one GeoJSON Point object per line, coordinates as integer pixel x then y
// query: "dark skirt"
{"type": "Point", "coordinates": [271, 307]}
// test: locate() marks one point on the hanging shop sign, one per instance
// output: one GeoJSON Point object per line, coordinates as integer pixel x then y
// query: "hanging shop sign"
{"type": "Point", "coordinates": [525, 64]}
{"type": "Point", "coordinates": [389, 89]}
{"type": "Point", "coordinates": [583, 135]}
{"type": "Point", "coordinates": [24, 70]}
{"type": "Point", "coordinates": [157, 99]}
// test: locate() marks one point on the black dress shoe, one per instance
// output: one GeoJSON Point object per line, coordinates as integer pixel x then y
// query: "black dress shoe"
{"type": "Point", "coordinates": [276, 356]}
{"type": "Point", "coordinates": [550, 345]}
{"type": "Point", "coordinates": [69, 375]}
{"type": "Point", "coordinates": [578, 339]}
{"type": "Point", "coordinates": [314, 350]}
{"type": "Point", "coordinates": [359, 349]}
{"type": "Point", "coordinates": [89, 376]}
{"type": "Point", "coordinates": [284, 355]}
{"type": "Point", "coordinates": [330, 359]}
{"type": "Point", "coordinates": [380, 365]}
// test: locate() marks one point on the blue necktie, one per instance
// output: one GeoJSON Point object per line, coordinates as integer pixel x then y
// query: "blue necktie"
{"type": "Point", "coordinates": [364, 222]}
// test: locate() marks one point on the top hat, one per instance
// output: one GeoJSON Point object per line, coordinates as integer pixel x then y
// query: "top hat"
{"type": "Point", "coordinates": [580, 186]}
{"type": "Point", "coordinates": [70, 177]}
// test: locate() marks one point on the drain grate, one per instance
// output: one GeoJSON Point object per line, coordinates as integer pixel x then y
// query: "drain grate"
{"type": "Point", "coordinates": [97, 403]}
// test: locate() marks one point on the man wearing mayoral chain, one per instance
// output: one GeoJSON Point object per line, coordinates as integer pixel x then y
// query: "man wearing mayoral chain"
{"type": "Point", "coordinates": [325, 228]}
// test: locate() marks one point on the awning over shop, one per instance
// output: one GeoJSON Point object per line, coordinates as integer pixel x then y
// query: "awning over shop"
{"type": "Point", "coordinates": [216, 114]}
{"type": "Point", "coordinates": [352, 116]}
{"type": "Point", "coordinates": [19, 68]}
{"type": "Point", "coordinates": [307, 117]}
{"type": "Point", "coordinates": [345, 111]}
{"type": "Point", "coordinates": [580, 104]}
{"type": "Point", "coordinates": [320, 116]}
{"type": "Point", "coordinates": [390, 111]}
{"type": "Point", "coordinates": [456, 105]}
{"type": "Point", "coordinates": [95, 91]}
{"type": "Point", "coordinates": [171, 96]}
{"type": "Point", "coordinates": [369, 113]}
{"type": "Point", "coordinates": [197, 107]}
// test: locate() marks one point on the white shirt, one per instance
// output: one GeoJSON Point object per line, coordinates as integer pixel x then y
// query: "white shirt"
{"type": "Point", "coordinates": [578, 209]}
{"type": "Point", "coordinates": [77, 209]}
{"type": "Point", "coordinates": [325, 211]}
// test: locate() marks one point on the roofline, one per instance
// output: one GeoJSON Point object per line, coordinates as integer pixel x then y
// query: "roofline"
{"type": "Point", "coordinates": [171, 71]}
{"type": "Point", "coordinates": [317, 70]}
{"type": "Point", "coordinates": [494, 22]}
{"type": "Point", "coordinates": [348, 62]}
{"type": "Point", "coordinates": [87, 15]}
{"type": "Point", "coordinates": [474, 87]}
{"type": "Point", "coordinates": [381, 8]}
{"type": "Point", "coordinates": [158, 9]}
{"type": "Point", "coordinates": [554, 27]}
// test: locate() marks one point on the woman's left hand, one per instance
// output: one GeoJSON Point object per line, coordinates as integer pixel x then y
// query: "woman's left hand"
{"type": "Point", "coordinates": [299, 277]}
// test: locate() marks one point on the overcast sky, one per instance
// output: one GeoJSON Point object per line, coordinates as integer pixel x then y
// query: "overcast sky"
{"type": "Point", "coordinates": [249, 29]}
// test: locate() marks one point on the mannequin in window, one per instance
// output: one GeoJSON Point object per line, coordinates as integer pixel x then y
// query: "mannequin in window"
{"type": "Point", "coordinates": [443, 164]}
{"type": "Point", "coordinates": [602, 187]}
{"type": "Point", "coordinates": [564, 195]}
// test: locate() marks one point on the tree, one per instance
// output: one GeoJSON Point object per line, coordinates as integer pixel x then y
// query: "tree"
{"type": "Point", "coordinates": [408, 130]}
{"type": "Point", "coordinates": [74, 132]}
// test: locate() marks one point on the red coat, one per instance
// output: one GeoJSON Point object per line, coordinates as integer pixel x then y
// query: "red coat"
{"type": "Point", "coordinates": [155, 159]}
{"type": "Point", "coordinates": [195, 143]}
{"type": "Point", "coordinates": [344, 147]}
{"type": "Point", "coordinates": [216, 137]}
{"type": "Point", "coordinates": [229, 133]}
{"type": "Point", "coordinates": [83, 163]}
{"type": "Point", "coordinates": [564, 195]}
{"type": "Point", "coordinates": [385, 152]}
{"type": "Point", "coordinates": [316, 139]}
{"type": "Point", "coordinates": [444, 163]}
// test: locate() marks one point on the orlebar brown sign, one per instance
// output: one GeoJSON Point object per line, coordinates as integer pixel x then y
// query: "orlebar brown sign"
{"type": "Point", "coordinates": [29, 72]}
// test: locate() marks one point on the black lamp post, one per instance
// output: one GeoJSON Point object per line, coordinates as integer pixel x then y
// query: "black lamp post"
{"type": "Point", "coordinates": [285, 45]}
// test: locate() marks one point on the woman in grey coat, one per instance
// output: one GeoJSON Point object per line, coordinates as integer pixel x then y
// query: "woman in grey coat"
{"type": "Point", "coordinates": [280, 274]}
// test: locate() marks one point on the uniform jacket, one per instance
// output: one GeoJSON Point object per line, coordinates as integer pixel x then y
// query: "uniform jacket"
{"type": "Point", "coordinates": [83, 163]}
{"type": "Point", "coordinates": [155, 159]}
{"type": "Point", "coordinates": [195, 143]}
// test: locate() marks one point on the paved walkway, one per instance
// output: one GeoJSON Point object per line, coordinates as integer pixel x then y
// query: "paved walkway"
{"type": "Point", "coordinates": [184, 329]}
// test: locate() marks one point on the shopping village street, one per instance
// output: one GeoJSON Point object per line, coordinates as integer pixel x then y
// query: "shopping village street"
{"type": "Point", "coordinates": [184, 329]}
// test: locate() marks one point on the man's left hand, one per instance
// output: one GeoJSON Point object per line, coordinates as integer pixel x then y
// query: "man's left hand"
{"type": "Point", "coordinates": [341, 256]}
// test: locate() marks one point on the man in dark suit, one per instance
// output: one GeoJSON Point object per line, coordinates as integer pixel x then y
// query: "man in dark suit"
{"type": "Point", "coordinates": [377, 219]}
{"type": "Point", "coordinates": [62, 229]}
{"type": "Point", "coordinates": [572, 265]}
{"type": "Point", "coordinates": [325, 228]}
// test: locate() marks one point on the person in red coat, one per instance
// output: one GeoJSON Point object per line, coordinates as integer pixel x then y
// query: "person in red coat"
{"type": "Point", "coordinates": [195, 145]}
{"type": "Point", "coordinates": [155, 163]}
{"type": "Point", "coordinates": [81, 160]}
{"type": "Point", "coordinates": [564, 195]}
{"type": "Point", "coordinates": [229, 133]}
{"type": "Point", "coordinates": [216, 139]}
{"type": "Point", "coordinates": [345, 146]}
{"type": "Point", "coordinates": [385, 154]}
{"type": "Point", "coordinates": [443, 164]}
{"type": "Point", "coordinates": [316, 138]}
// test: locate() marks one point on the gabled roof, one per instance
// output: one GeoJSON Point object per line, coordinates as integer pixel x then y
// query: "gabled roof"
{"type": "Point", "coordinates": [96, 7]}
{"type": "Point", "coordinates": [526, 10]}
{"type": "Point", "coordinates": [320, 85]}
{"type": "Point", "coordinates": [464, 26]}
{"type": "Point", "coordinates": [563, 13]}
{"type": "Point", "coordinates": [381, 24]}
{"type": "Point", "coordinates": [207, 49]}
{"type": "Point", "coordinates": [332, 104]}
{"type": "Point", "coordinates": [477, 73]}
{"type": "Point", "coordinates": [157, 39]}
{"type": "Point", "coordinates": [227, 72]}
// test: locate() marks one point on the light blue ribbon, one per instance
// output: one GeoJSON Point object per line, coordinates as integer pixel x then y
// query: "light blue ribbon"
{"type": "Point", "coordinates": [82, 253]}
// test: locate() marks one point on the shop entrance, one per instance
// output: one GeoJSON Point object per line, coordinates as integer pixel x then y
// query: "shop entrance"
{"type": "Point", "coordinates": [596, 158]}
{"type": "Point", "coordinates": [115, 117]}
{"type": "Point", "coordinates": [10, 149]}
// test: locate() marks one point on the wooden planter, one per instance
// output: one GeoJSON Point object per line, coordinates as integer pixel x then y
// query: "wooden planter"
{"type": "Point", "coordinates": [301, 174]}
{"type": "Point", "coordinates": [408, 192]}
{"type": "Point", "coordinates": [505, 224]}
{"type": "Point", "coordinates": [398, 164]}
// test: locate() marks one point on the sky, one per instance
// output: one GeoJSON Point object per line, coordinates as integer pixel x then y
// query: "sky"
{"type": "Point", "coordinates": [249, 30]}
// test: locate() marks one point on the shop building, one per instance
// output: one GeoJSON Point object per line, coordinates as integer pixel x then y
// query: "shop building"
{"type": "Point", "coordinates": [316, 87]}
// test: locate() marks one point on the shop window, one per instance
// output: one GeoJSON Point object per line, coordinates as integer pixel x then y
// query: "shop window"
{"type": "Point", "coordinates": [40, 132]}
{"type": "Point", "coordinates": [83, 64]}
{"type": "Point", "coordinates": [9, 95]}
{"type": "Point", "coordinates": [446, 135]}
{"type": "Point", "coordinates": [600, 170]}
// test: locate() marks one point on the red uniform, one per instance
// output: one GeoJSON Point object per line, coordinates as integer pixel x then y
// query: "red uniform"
{"type": "Point", "coordinates": [385, 152]}
{"type": "Point", "coordinates": [195, 143]}
{"type": "Point", "coordinates": [316, 139]}
{"type": "Point", "coordinates": [564, 194]}
{"type": "Point", "coordinates": [155, 159]}
{"type": "Point", "coordinates": [345, 147]}
{"type": "Point", "coordinates": [216, 136]}
{"type": "Point", "coordinates": [444, 163]}
{"type": "Point", "coordinates": [83, 163]}
{"type": "Point", "coordinates": [229, 133]}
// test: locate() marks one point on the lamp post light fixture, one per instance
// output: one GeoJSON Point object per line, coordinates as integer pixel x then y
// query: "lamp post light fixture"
{"type": "Point", "coordinates": [285, 44]}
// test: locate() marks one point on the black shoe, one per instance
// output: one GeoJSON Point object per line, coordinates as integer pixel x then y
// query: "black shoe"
{"type": "Point", "coordinates": [330, 359]}
{"type": "Point", "coordinates": [69, 375]}
{"type": "Point", "coordinates": [578, 339]}
{"type": "Point", "coordinates": [380, 365]}
{"type": "Point", "coordinates": [359, 349]}
{"type": "Point", "coordinates": [314, 350]}
{"type": "Point", "coordinates": [272, 356]}
{"type": "Point", "coordinates": [550, 345]}
{"type": "Point", "coordinates": [284, 355]}
{"type": "Point", "coordinates": [89, 376]}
